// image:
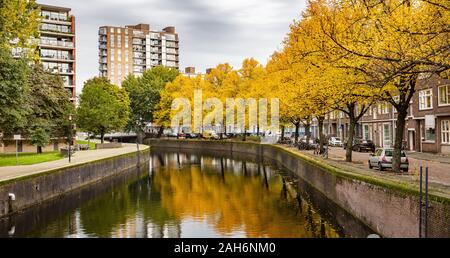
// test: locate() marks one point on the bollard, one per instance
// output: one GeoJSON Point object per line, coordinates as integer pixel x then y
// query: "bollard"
{"type": "Point", "coordinates": [426, 202]}
{"type": "Point", "coordinates": [420, 202]}
{"type": "Point", "coordinates": [11, 198]}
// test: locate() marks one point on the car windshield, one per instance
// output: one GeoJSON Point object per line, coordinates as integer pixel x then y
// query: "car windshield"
{"type": "Point", "coordinates": [337, 139]}
{"type": "Point", "coordinates": [389, 153]}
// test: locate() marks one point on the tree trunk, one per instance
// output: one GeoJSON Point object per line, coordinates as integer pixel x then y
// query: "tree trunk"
{"type": "Point", "coordinates": [308, 132]}
{"type": "Point", "coordinates": [39, 149]}
{"type": "Point", "coordinates": [297, 127]}
{"type": "Point", "coordinates": [399, 131]}
{"type": "Point", "coordinates": [282, 133]}
{"type": "Point", "coordinates": [102, 137]}
{"type": "Point", "coordinates": [321, 135]}
{"type": "Point", "coordinates": [160, 131]}
{"type": "Point", "coordinates": [351, 135]}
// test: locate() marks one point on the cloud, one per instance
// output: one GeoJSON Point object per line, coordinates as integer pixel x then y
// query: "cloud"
{"type": "Point", "coordinates": [211, 32]}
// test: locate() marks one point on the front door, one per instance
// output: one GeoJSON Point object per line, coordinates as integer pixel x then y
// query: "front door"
{"type": "Point", "coordinates": [411, 140]}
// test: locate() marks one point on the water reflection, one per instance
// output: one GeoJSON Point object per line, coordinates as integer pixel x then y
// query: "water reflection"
{"type": "Point", "coordinates": [186, 195]}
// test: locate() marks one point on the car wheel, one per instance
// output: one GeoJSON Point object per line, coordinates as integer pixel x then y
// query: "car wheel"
{"type": "Point", "coordinates": [370, 165]}
{"type": "Point", "coordinates": [380, 167]}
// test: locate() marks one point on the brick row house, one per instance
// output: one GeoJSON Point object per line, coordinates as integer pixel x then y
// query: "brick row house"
{"type": "Point", "coordinates": [427, 126]}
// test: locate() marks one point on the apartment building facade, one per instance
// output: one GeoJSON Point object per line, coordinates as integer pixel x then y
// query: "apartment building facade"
{"type": "Point", "coordinates": [134, 49]}
{"type": "Point", "coordinates": [57, 52]}
{"type": "Point", "coordinates": [427, 124]}
{"type": "Point", "coordinates": [57, 44]}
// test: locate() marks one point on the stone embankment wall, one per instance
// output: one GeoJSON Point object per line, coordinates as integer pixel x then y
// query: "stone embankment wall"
{"type": "Point", "coordinates": [390, 210]}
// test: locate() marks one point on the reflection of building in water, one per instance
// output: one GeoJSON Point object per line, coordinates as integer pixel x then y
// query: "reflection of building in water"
{"type": "Point", "coordinates": [170, 230]}
{"type": "Point", "coordinates": [132, 228]}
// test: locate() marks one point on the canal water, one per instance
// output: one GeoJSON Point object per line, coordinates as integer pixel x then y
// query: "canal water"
{"type": "Point", "coordinates": [191, 195]}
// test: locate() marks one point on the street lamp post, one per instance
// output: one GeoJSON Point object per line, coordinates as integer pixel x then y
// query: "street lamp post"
{"type": "Point", "coordinates": [70, 137]}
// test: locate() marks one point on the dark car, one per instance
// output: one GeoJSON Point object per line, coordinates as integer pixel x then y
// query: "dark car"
{"type": "Point", "coordinates": [361, 145]}
{"type": "Point", "coordinates": [192, 135]}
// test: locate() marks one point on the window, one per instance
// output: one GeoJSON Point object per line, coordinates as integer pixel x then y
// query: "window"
{"type": "Point", "coordinates": [366, 132]}
{"type": "Point", "coordinates": [430, 134]}
{"type": "Point", "coordinates": [445, 131]}
{"type": "Point", "coordinates": [444, 95]}
{"type": "Point", "coordinates": [111, 30]}
{"type": "Point", "coordinates": [425, 99]}
{"type": "Point", "coordinates": [384, 108]}
{"type": "Point", "coordinates": [112, 40]}
{"type": "Point", "coordinates": [386, 135]}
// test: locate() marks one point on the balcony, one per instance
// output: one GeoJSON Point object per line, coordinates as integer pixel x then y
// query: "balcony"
{"type": "Point", "coordinates": [103, 39]}
{"type": "Point", "coordinates": [55, 29]}
{"type": "Point", "coordinates": [138, 42]}
{"type": "Point", "coordinates": [171, 37]}
{"type": "Point", "coordinates": [60, 70]}
{"type": "Point", "coordinates": [51, 16]}
{"type": "Point", "coordinates": [57, 44]}
{"type": "Point", "coordinates": [57, 57]}
{"type": "Point", "coordinates": [171, 45]}
{"type": "Point", "coordinates": [136, 62]}
{"type": "Point", "coordinates": [139, 56]}
{"type": "Point", "coordinates": [138, 49]}
{"type": "Point", "coordinates": [171, 51]}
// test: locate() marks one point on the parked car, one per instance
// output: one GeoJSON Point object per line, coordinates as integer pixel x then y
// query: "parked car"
{"type": "Point", "coordinates": [382, 159]}
{"type": "Point", "coordinates": [335, 141]}
{"type": "Point", "coordinates": [192, 135]}
{"type": "Point", "coordinates": [360, 145]}
{"type": "Point", "coordinates": [215, 136]}
{"type": "Point", "coordinates": [172, 134]}
{"type": "Point", "coordinates": [311, 140]}
{"type": "Point", "coordinates": [208, 134]}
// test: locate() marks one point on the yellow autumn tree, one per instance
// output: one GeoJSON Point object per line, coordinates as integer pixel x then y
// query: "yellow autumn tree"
{"type": "Point", "coordinates": [390, 43]}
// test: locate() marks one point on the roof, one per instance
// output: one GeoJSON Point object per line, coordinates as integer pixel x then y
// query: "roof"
{"type": "Point", "coordinates": [54, 8]}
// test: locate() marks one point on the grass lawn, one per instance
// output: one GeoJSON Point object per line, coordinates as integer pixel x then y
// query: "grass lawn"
{"type": "Point", "coordinates": [91, 144]}
{"type": "Point", "coordinates": [28, 158]}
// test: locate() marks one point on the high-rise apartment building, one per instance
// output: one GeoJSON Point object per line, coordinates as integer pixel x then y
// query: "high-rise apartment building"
{"type": "Point", "coordinates": [134, 49]}
{"type": "Point", "coordinates": [56, 44]}
{"type": "Point", "coordinates": [57, 47]}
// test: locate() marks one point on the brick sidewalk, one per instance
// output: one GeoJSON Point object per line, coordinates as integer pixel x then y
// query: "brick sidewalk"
{"type": "Point", "coordinates": [80, 157]}
{"type": "Point", "coordinates": [439, 172]}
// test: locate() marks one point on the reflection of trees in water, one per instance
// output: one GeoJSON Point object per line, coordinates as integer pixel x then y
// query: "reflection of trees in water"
{"type": "Point", "coordinates": [238, 202]}
{"type": "Point", "coordinates": [231, 195]}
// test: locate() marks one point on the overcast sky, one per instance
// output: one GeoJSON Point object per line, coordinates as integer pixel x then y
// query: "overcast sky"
{"type": "Point", "coordinates": [210, 32]}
